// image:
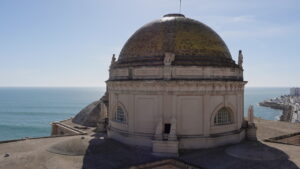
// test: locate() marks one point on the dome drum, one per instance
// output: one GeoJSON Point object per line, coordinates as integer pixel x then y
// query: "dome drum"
{"type": "Point", "coordinates": [149, 106]}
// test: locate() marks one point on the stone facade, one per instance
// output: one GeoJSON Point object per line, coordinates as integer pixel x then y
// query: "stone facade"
{"type": "Point", "coordinates": [176, 72]}
{"type": "Point", "coordinates": [193, 103]}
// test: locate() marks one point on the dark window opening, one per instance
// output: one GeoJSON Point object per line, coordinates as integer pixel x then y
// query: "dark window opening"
{"type": "Point", "coordinates": [167, 128]}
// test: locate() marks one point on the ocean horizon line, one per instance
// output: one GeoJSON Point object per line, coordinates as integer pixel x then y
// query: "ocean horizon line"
{"type": "Point", "coordinates": [52, 87]}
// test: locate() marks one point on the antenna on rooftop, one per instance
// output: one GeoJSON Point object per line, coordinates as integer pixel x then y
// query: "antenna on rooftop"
{"type": "Point", "coordinates": [180, 6]}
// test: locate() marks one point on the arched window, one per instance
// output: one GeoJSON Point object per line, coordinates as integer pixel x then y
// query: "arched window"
{"type": "Point", "coordinates": [223, 117]}
{"type": "Point", "coordinates": [120, 115]}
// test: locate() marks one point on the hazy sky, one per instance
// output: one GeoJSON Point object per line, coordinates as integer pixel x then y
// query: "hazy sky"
{"type": "Point", "coordinates": [70, 42]}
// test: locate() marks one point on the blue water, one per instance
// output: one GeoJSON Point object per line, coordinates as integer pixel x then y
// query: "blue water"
{"type": "Point", "coordinates": [254, 95]}
{"type": "Point", "coordinates": [27, 112]}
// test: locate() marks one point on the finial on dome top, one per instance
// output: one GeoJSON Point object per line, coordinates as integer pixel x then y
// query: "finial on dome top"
{"type": "Point", "coordinates": [174, 15]}
{"type": "Point", "coordinates": [180, 7]}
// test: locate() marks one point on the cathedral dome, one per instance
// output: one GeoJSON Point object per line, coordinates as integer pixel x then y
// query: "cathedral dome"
{"type": "Point", "coordinates": [192, 42]}
{"type": "Point", "coordinates": [175, 86]}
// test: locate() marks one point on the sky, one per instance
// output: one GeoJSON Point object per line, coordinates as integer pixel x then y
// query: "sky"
{"type": "Point", "coordinates": [71, 42]}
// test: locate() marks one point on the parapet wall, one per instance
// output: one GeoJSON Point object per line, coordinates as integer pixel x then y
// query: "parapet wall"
{"type": "Point", "coordinates": [59, 129]}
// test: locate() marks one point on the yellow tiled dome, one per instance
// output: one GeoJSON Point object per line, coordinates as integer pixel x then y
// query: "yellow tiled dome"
{"type": "Point", "coordinates": [192, 42]}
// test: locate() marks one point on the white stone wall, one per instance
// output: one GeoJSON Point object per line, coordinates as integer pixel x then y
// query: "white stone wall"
{"type": "Point", "coordinates": [193, 103]}
{"type": "Point", "coordinates": [176, 72]}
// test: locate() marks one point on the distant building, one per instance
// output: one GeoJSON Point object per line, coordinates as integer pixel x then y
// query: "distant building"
{"type": "Point", "coordinates": [295, 91]}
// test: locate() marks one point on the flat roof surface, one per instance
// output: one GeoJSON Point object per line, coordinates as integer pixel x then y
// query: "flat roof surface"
{"type": "Point", "coordinates": [101, 152]}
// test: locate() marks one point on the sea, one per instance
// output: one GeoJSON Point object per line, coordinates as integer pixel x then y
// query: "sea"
{"type": "Point", "coordinates": [28, 111]}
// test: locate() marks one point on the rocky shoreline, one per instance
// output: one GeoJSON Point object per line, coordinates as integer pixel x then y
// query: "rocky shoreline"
{"type": "Point", "coordinates": [290, 105]}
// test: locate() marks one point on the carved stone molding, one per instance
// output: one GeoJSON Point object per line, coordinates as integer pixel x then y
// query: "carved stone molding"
{"type": "Point", "coordinates": [180, 85]}
{"type": "Point", "coordinates": [177, 72]}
